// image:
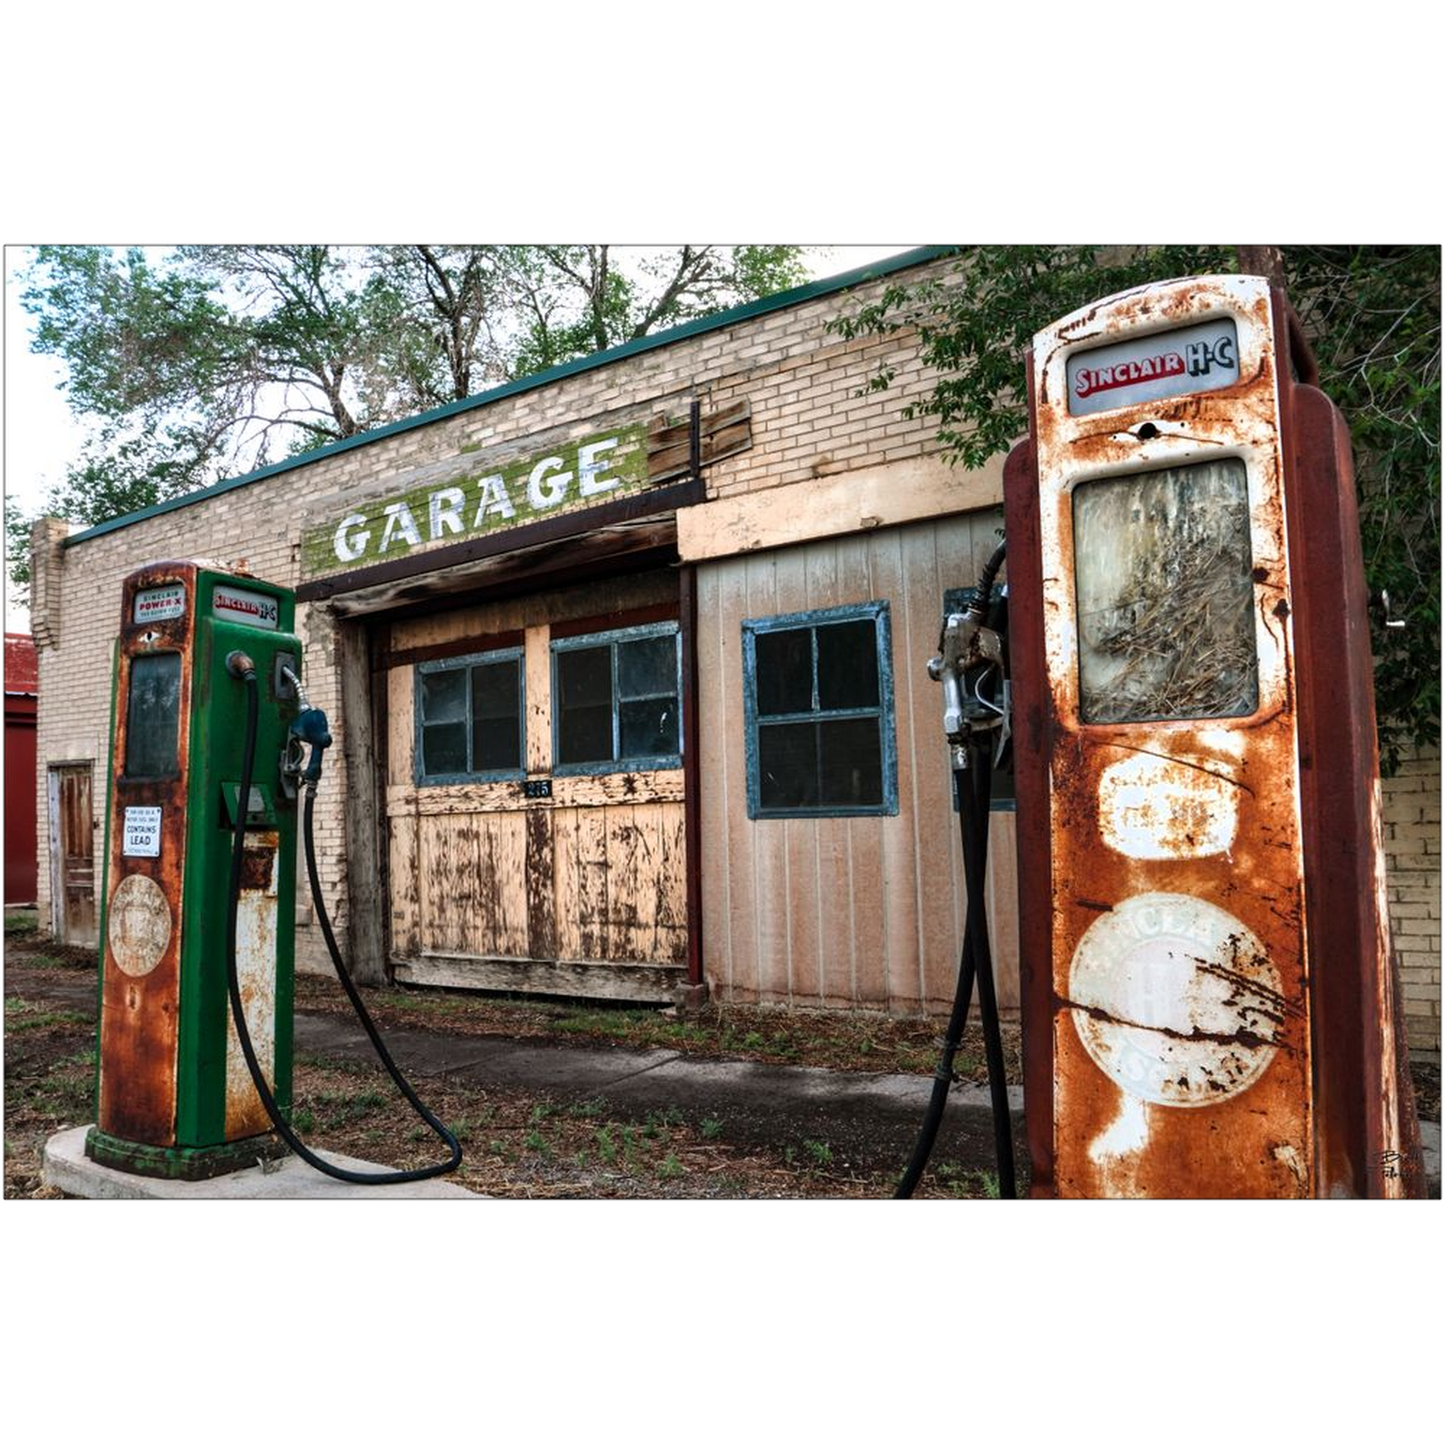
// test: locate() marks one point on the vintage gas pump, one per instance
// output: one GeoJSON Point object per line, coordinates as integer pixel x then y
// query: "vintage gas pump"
{"type": "Point", "coordinates": [1209, 1002]}
{"type": "Point", "coordinates": [175, 1098]}
{"type": "Point", "coordinates": [210, 726]}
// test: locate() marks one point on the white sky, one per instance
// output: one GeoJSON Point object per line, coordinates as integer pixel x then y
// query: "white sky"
{"type": "Point", "coordinates": [42, 437]}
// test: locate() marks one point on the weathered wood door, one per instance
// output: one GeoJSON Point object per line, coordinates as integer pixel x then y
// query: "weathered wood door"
{"type": "Point", "coordinates": [511, 867]}
{"type": "Point", "coordinates": [72, 853]}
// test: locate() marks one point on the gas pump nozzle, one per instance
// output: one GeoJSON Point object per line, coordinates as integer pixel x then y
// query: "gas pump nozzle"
{"type": "Point", "coordinates": [310, 727]}
{"type": "Point", "coordinates": [967, 652]}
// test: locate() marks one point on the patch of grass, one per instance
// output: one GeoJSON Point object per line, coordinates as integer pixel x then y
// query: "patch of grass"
{"type": "Point", "coordinates": [303, 1121]}
{"type": "Point", "coordinates": [818, 1149]}
{"type": "Point", "coordinates": [587, 1109]}
{"type": "Point", "coordinates": [537, 1143]}
{"type": "Point", "coordinates": [21, 1015]}
{"type": "Point", "coordinates": [710, 1128]}
{"type": "Point", "coordinates": [21, 922]}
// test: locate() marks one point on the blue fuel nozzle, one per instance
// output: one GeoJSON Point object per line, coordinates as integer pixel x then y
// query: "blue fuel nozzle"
{"type": "Point", "coordinates": [311, 728]}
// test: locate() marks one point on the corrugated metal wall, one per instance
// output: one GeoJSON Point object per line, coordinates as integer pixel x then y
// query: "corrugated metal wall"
{"type": "Point", "coordinates": [839, 911]}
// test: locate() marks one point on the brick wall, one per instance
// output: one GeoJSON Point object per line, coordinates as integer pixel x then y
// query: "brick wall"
{"type": "Point", "coordinates": [811, 415]}
{"type": "Point", "coordinates": [1412, 851]}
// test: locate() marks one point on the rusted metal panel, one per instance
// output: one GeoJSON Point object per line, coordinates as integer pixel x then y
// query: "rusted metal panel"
{"type": "Point", "coordinates": [140, 1012]}
{"type": "Point", "coordinates": [1180, 1012]}
{"type": "Point", "coordinates": [1367, 1130]}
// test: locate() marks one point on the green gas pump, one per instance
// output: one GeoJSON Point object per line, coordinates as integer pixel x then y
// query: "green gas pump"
{"type": "Point", "coordinates": [210, 726]}
{"type": "Point", "coordinates": [176, 1099]}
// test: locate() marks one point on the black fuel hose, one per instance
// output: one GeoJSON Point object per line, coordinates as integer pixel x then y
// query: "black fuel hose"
{"type": "Point", "coordinates": [973, 787]}
{"type": "Point", "coordinates": [238, 1013]}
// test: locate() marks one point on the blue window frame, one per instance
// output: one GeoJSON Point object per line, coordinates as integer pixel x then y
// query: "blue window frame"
{"type": "Point", "coordinates": [818, 706]}
{"type": "Point", "coordinates": [616, 700]}
{"type": "Point", "coordinates": [469, 718]}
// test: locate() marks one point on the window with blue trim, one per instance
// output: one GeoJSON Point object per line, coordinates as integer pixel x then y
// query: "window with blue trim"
{"type": "Point", "coordinates": [469, 718]}
{"type": "Point", "coordinates": [615, 700]}
{"type": "Point", "coordinates": [818, 702]}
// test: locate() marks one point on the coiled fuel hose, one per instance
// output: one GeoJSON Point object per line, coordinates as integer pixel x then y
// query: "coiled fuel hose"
{"type": "Point", "coordinates": [242, 667]}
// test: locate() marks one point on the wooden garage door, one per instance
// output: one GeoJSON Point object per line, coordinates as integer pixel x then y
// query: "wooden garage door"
{"type": "Point", "coordinates": [556, 876]}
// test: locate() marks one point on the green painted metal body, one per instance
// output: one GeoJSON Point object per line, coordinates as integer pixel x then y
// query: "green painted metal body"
{"type": "Point", "coordinates": [201, 1114]}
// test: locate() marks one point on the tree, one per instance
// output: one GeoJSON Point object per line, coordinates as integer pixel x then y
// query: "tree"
{"type": "Point", "coordinates": [1373, 317]}
{"type": "Point", "coordinates": [215, 360]}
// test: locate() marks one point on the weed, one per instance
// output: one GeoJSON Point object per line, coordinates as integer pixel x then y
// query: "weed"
{"type": "Point", "coordinates": [541, 1112]}
{"type": "Point", "coordinates": [17, 924]}
{"type": "Point", "coordinates": [303, 1121]}
{"type": "Point", "coordinates": [537, 1143]}
{"type": "Point", "coordinates": [670, 1167]}
{"type": "Point", "coordinates": [587, 1109]}
{"type": "Point", "coordinates": [495, 1146]}
{"type": "Point", "coordinates": [606, 1147]}
{"type": "Point", "coordinates": [752, 1041]}
{"type": "Point", "coordinates": [710, 1128]}
{"type": "Point", "coordinates": [821, 1153]}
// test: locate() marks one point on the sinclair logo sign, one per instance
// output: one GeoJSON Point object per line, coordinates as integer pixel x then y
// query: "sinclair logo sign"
{"type": "Point", "coordinates": [480, 495]}
{"type": "Point", "coordinates": [1146, 368]}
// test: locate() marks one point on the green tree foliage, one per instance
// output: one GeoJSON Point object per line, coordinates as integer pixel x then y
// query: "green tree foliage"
{"type": "Point", "coordinates": [216, 360]}
{"type": "Point", "coordinates": [1373, 317]}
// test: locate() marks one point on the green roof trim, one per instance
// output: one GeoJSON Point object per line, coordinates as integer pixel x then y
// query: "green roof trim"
{"type": "Point", "coordinates": [778, 301]}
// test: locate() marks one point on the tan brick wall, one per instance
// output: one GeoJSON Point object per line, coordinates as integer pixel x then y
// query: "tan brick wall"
{"type": "Point", "coordinates": [1412, 851]}
{"type": "Point", "coordinates": [811, 415]}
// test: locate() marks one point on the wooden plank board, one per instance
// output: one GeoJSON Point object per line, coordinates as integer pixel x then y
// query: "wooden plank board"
{"type": "Point", "coordinates": [511, 887]}
{"type": "Point", "coordinates": [669, 939]}
{"type": "Point", "coordinates": [400, 729]}
{"type": "Point", "coordinates": [405, 911]}
{"type": "Point", "coordinates": [769, 840]}
{"type": "Point", "coordinates": [740, 865]}
{"type": "Point", "coordinates": [567, 876]}
{"type": "Point", "coordinates": [592, 881]}
{"type": "Point", "coordinates": [538, 685]}
{"type": "Point", "coordinates": [429, 800]}
{"type": "Point", "coordinates": [627, 877]}
{"type": "Point", "coordinates": [540, 885]}
{"type": "Point", "coordinates": [629, 982]}
{"type": "Point", "coordinates": [864, 916]}
{"type": "Point", "coordinates": [935, 830]}
{"type": "Point", "coordinates": [861, 500]}
{"type": "Point", "coordinates": [717, 764]}
{"type": "Point", "coordinates": [899, 862]}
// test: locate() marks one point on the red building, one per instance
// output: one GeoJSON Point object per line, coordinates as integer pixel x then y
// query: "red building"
{"type": "Point", "coordinates": [21, 695]}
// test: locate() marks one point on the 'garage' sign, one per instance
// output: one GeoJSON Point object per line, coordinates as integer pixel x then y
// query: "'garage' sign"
{"type": "Point", "coordinates": [576, 475]}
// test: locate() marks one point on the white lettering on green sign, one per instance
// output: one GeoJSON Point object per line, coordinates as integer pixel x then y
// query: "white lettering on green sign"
{"type": "Point", "coordinates": [580, 474]}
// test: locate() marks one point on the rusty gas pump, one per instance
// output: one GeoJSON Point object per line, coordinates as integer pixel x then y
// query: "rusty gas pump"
{"type": "Point", "coordinates": [1209, 1001]}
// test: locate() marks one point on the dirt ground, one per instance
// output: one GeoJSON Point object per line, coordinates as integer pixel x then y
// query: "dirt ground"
{"type": "Point", "coordinates": [521, 1143]}
{"type": "Point", "coordinates": [516, 1143]}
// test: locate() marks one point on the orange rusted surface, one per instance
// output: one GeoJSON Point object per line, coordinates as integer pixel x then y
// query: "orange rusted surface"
{"type": "Point", "coordinates": [1178, 988]}
{"type": "Point", "coordinates": [140, 964]}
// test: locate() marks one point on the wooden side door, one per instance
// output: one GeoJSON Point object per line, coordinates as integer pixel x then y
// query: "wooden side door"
{"type": "Point", "coordinates": [72, 854]}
